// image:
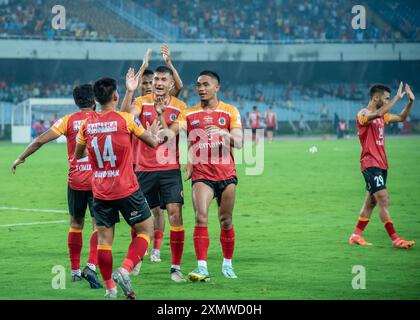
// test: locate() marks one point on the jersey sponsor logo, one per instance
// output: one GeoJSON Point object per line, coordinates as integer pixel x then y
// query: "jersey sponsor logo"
{"type": "Point", "coordinates": [208, 119]}
{"type": "Point", "coordinates": [172, 117]}
{"type": "Point", "coordinates": [195, 122]}
{"type": "Point", "coordinates": [102, 127]}
{"type": "Point", "coordinates": [222, 121]}
{"type": "Point", "coordinates": [147, 114]}
{"type": "Point", "coordinates": [76, 125]}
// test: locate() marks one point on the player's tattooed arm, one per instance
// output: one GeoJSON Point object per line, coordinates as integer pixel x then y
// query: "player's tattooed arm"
{"type": "Point", "coordinates": [407, 109]}
{"type": "Point", "coordinates": [44, 138]}
{"type": "Point", "coordinates": [387, 107]}
{"type": "Point", "coordinates": [80, 151]}
{"type": "Point", "coordinates": [166, 55]}
{"type": "Point", "coordinates": [131, 84]}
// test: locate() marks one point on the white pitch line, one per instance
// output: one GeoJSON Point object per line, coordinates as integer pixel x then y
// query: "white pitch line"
{"type": "Point", "coordinates": [33, 210]}
{"type": "Point", "coordinates": [31, 223]}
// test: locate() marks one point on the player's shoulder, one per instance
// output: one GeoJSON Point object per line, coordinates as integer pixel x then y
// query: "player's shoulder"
{"type": "Point", "coordinates": [194, 109]}
{"type": "Point", "coordinates": [229, 108]}
{"type": "Point", "coordinates": [363, 111]}
{"type": "Point", "coordinates": [144, 99]}
{"type": "Point", "coordinates": [125, 115]}
{"type": "Point", "coordinates": [178, 103]}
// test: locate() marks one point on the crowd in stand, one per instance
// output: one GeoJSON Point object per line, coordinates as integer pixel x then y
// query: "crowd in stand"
{"type": "Point", "coordinates": [269, 20]}
{"type": "Point", "coordinates": [250, 20]}
{"type": "Point", "coordinates": [33, 18]}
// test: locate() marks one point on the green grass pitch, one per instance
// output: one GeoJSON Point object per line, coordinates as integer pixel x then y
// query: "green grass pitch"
{"type": "Point", "coordinates": [292, 224]}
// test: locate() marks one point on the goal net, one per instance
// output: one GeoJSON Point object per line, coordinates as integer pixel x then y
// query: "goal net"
{"type": "Point", "coordinates": [32, 117]}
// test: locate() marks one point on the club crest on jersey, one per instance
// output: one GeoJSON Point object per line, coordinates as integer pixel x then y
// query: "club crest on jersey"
{"type": "Point", "coordinates": [208, 119]}
{"type": "Point", "coordinates": [147, 114]}
{"type": "Point", "coordinates": [222, 121]}
{"type": "Point", "coordinates": [172, 117]}
{"type": "Point", "coordinates": [195, 122]}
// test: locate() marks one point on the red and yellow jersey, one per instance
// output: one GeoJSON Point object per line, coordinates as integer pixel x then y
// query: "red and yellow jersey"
{"type": "Point", "coordinates": [108, 139]}
{"type": "Point", "coordinates": [254, 119]}
{"type": "Point", "coordinates": [164, 156]}
{"type": "Point", "coordinates": [80, 171]}
{"type": "Point", "coordinates": [212, 156]}
{"type": "Point", "coordinates": [372, 139]}
{"type": "Point", "coordinates": [270, 119]}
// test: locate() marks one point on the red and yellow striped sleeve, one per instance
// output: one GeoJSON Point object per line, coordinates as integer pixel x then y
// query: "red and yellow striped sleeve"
{"type": "Point", "coordinates": [81, 138]}
{"type": "Point", "coordinates": [181, 120]}
{"type": "Point", "coordinates": [235, 118]}
{"type": "Point", "coordinates": [133, 124]}
{"type": "Point", "coordinates": [138, 105]}
{"type": "Point", "coordinates": [60, 127]}
{"type": "Point", "coordinates": [362, 117]}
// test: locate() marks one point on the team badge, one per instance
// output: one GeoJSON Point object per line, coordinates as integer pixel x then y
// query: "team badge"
{"type": "Point", "coordinates": [195, 122]}
{"type": "Point", "coordinates": [147, 114]}
{"type": "Point", "coordinates": [222, 121]}
{"type": "Point", "coordinates": [172, 117]}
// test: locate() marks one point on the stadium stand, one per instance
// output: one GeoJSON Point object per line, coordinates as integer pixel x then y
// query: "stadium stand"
{"type": "Point", "coordinates": [200, 20]}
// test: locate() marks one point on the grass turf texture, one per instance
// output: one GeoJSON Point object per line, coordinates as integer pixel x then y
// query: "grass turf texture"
{"type": "Point", "coordinates": [292, 225]}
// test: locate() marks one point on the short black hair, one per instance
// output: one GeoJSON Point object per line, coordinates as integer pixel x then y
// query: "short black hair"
{"type": "Point", "coordinates": [83, 96]}
{"type": "Point", "coordinates": [378, 88]}
{"type": "Point", "coordinates": [254, 107]}
{"type": "Point", "coordinates": [104, 89]}
{"type": "Point", "coordinates": [148, 72]}
{"type": "Point", "coordinates": [211, 74]}
{"type": "Point", "coordinates": [164, 69]}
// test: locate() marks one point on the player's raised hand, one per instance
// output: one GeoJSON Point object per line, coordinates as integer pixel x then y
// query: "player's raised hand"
{"type": "Point", "coordinates": [400, 93]}
{"type": "Point", "coordinates": [146, 58]}
{"type": "Point", "coordinates": [131, 80]}
{"type": "Point", "coordinates": [160, 104]}
{"type": "Point", "coordinates": [166, 54]}
{"type": "Point", "coordinates": [188, 169]}
{"type": "Point", "coordinates": [410, 94]}
{"type": "Point", "coordinates": [17, 162]}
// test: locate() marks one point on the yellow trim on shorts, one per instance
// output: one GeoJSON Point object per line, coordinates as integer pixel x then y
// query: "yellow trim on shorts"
{"type": "Point", "coordinates": [104, 247]}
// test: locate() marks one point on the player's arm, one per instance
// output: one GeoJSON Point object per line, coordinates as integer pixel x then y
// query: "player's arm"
{"type": "Point", "coordinates": [275, 121]}
{"type": "Point", "coordinates": [131, 83]}
{"type": "Point", "coordinates": [34, 146]}
{"type": "Point", "coordinates": [234, 136]}
{"type": "Point", "coordinates": [392, 118]}
{"type": "Point", "coordinates": [148, 136]}
{"type": "Point", "coordinates": [386, 108]}
{"type": "Point", "coordinates": [166, 55]}
{"type": "Point", "coordinates": [81, 143]}
{"type": "Point", "coordinates": [144, 65]}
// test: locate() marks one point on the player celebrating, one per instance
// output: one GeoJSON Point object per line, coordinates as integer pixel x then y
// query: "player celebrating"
{"type": "Point", "coordinates": [270, 123]}
{"type": "Point", "coordinates": [254, 123]}
{"type": "Point", "coordinates": [107, 136]}
{"type": "Point", "coordinates": [79, 190]}
{"type": "Point", "coordinates": [159, 218]}
{"type": "Point", "coordinates": [213, 127]}
{"type": "Point", "coordinates": [160, 180]}
{"type": "Point", "coordinates": [374, 165]}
